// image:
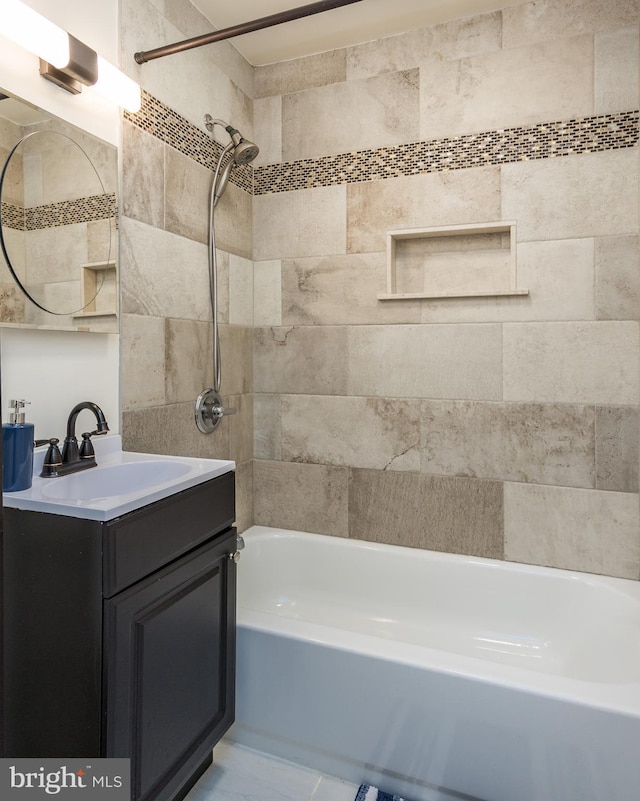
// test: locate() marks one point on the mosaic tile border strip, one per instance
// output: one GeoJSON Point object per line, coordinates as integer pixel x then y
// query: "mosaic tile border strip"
{"type": "Point", "coordinates": [171, 128]}
{"type": "Point", "coordinates": [12, 216]}
{"type": "Point", "coordinates": [54, 215]}
{"type": "Point", "coordinates": [531, 142]}
{"type": "Point", "coordinates": [542, 141]}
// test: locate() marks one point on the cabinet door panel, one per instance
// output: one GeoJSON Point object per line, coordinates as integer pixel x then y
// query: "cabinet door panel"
{"type": "Point", "coordinates": [170, 664]}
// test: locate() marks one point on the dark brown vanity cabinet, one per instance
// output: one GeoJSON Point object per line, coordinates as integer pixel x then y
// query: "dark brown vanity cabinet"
{"type": "Point", "coordinates": [120, 636]}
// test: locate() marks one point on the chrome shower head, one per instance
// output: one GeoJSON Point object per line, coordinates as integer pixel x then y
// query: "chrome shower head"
{"type": "Point", "coordinates": [243, 152]}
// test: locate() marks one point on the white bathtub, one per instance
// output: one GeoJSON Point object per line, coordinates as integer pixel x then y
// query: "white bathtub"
{"type": "Point", "coordinates": [436, 676]}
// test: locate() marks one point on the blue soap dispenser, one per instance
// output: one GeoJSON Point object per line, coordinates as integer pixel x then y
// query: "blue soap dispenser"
{"type": "Point", "coordinates": [17, 450]}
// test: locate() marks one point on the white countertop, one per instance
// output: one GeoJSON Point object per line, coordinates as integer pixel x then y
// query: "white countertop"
{"type": "Point", "coordinates": [102, 499]}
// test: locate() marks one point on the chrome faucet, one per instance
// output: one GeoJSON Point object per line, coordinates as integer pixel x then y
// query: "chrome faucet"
{"type": "Point", "coordinates": [74, 458]}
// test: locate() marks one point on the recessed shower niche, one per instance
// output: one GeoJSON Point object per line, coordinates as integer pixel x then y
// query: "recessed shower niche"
{"type": "Point", "coordinates": [456, 261]}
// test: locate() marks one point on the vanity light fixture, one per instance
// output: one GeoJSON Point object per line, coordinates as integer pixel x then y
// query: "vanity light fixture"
{"type": "Point", "coordinates": [65, 60]}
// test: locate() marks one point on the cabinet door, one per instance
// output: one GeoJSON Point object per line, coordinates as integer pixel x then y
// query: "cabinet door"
{"type": "Point", "coordinates": [169, 669]}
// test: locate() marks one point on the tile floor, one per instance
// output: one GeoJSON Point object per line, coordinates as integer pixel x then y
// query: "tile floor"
{"type": "Point", "coordinates": [240, 774]}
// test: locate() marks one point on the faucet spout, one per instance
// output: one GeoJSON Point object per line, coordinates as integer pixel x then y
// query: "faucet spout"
{"type": "Point", "coordinates": [70, 452]}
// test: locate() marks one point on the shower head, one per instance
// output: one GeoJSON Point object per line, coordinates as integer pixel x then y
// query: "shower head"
{"type": "Point", "coordinates": [243, 152]}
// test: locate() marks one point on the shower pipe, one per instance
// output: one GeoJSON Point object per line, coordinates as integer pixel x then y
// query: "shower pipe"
{"type": "Point", "coordinates": [209, 410]}
{"type": "Point", "coordinates": [244, 27]}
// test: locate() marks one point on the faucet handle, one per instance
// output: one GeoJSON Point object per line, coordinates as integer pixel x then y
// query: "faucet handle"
{"type": "Point", "coordinates": [52, 459]}
{"type": "Point", "coordinates": [86, 449]}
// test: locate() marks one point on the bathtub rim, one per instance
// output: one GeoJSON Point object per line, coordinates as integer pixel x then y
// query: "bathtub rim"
{"type": "Point", "coordinates": [620, 697]}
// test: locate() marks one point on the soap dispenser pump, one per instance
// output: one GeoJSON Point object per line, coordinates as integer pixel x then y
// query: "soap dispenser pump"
{"type": "Point", "coordinates": [17, 449]}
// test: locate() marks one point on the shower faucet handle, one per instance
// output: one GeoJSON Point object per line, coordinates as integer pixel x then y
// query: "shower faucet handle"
{"type": "Point", "coordinates": [209, 411]}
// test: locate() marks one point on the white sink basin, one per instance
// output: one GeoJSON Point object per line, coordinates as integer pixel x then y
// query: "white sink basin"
{"type": "Point", "coordinates": [119, 479]}
{"type": "Point", "coordinates": [122, 482]}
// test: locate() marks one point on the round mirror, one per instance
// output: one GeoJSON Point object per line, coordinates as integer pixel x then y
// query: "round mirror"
{"type": "Point", "coordinates": [57, 224]}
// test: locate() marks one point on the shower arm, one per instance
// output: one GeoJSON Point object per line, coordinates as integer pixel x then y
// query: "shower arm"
{"type": "Point", "coordinates": [244, 27]}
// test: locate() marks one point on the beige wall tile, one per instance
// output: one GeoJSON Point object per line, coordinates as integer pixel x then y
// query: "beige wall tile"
{"type": "Point", "coordinates": [240, 291]}
{"type": "Point", "coordinates": [532, 443]}
{"type": "Point", "coordinates": [576, 196]}
{"type": "Point", "coordinates": [188, 368]}
{"type": "Point", "coordinates": [430, 361]}
{"type": "Point", "coordinates": [240, 427]}
{"type": "Point", "coordinates": [236, 359]}
{"type": "Point", "coordinates": [142, 361]}
{"type": "Point", "coordinates": [142, 176]}
{"type": "Point", "coordinates": [379, 433]}
{"type": "Point", "coordinates": [304, 497]}
{"type": "Point", "coordinates": [267, 293]}
{"type": "Point", "coordinates": [344, 117]}
{"type": "Point", "coordinates": [233, 221]}
{"type": "Point", "coordinates": [156, 269]}
{"type": "Point", "coordinates": [55, 254]}
{"type": "Point", "coordinates": [617, 278]}
{"type": "Point", "coordinates": [451, 40]}
{"type": "Point", "coordinates": [420, 201]}
{"type": "Point", "coordinates": [558, 274]}
{"type": "Point", "coordinates": [507, 88]}
{"type": "Point", "coordinates": [304, 222]}
{"type": "Point", "coordinates": [575, 529]}
{"type": "Point", "coordinates": [616, 70]}
{"type": "Point", "coordinates": [459, 515]}
{"type": "Point", "coordinates": [464, 37]}
{"type": "Point", "coordinates": [390, 54]}
{"type": "Point", "coordinates": [187, 185]}
{"type": "Point", "coordinates": [594, 362]}
{"type": "Point", "coordinates": [544, 20]}
{"type": "Point", "coordinates": [341, 289]}
{"type": "Point", "coordinates": [267, 427]}
{"type": "Point", "coordinates": [172, 430]}
{"type": "Point", "coordinates": [300, 74]}
{"type": "Point", "coordinates": [617, 448]}
{"type": "Point", "coordinates": [12, 304]}
{"type": "Point", "coordinates": [301, 360]}
{"type": "Point", "coordinates": [15, 242]}
{"type": "Point", "coordinates": [222, 261]}
{"type": "Point", "coordinates": [244, 496]}
{"type": "Point", "coordinates": [267, 126]}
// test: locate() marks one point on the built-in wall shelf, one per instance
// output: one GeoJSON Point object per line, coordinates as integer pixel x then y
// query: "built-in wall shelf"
{"type": "Point", "coordinates": [98, 282]}
{"type": "Point", "coordinates": [456, 261]}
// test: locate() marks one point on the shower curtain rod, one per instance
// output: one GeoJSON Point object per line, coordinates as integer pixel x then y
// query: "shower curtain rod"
{"type": "Point", "coordinates": [243, 27]}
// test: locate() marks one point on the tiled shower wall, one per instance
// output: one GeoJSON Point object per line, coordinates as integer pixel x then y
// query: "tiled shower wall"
{"type": "Point", "coordinates": [505, 427]}
{"type": "Point", "coordinates": [501, 427]}
{"type": "Point", "coordinates": [166, 351]}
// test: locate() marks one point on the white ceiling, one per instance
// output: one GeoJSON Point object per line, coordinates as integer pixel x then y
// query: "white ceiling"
{"type": "Point", "coordinates": [363, 21]}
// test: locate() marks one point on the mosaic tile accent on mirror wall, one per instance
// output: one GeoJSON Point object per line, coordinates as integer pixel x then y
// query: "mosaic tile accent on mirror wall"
{"type": "Point", "coordinates": [12, 216]}
{"type": "Point", "coordinates": [53, 215]}
{"type": "Point", "coordinates": [541, 141]}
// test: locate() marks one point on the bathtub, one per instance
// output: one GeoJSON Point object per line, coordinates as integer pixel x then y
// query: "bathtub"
{"type": "Point", "coordinates": [437, 676]}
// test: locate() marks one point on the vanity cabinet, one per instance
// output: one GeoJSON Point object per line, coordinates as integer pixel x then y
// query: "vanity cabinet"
{"type": "Point", "coordinates": [120, 636]}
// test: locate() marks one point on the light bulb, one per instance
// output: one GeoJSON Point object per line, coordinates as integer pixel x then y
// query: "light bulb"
{"type": "Point", "coordinates": [35, 33]}
{"type": "Point", "coordinates": [116, 86]}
